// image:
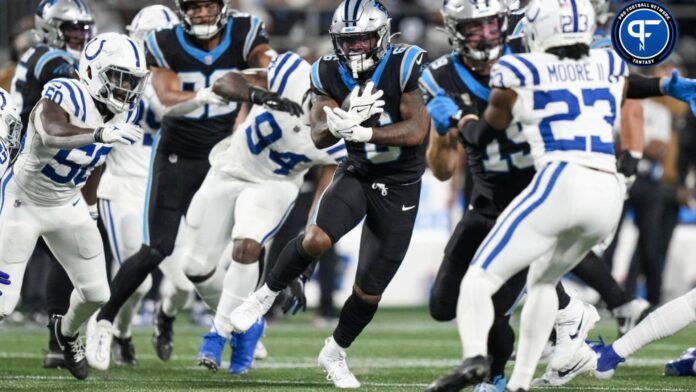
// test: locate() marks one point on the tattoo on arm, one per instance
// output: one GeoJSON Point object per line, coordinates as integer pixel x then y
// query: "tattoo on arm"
{"type": "Point", "coordinates": [411, 130]}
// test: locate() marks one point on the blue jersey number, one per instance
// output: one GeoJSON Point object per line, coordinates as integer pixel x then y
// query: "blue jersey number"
{"type": "Point", "coordinates": [590, 97]}
{"type": "Point", "coordinates": [259, 137]}
{"type": "Point", "coordinates": [77, 173]}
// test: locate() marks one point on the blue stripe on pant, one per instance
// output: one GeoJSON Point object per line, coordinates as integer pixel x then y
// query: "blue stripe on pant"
{"type": "Point", "coordinates": [513, 226]}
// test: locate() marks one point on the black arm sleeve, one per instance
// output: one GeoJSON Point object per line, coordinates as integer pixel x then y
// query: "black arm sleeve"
{"type": "Point", "coordinates": [477, 133]}
{"type": "Point", "coordinates": [640, 87]}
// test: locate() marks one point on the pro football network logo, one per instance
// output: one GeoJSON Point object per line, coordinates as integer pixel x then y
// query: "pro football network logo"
{"type": "Point", "coordinates": [644, 33]}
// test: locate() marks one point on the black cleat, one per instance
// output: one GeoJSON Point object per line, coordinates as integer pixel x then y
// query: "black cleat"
{"type": "Point", "coordinates": [123, 351]}
{"type": "Point", "coordinates": [53, 358]}
{"type": "Point", "coordinates": [471, 371]}
{"type": "Point", "coordinates": [163, 336]}
{"type": "Point", "coordinates": [73, 351]}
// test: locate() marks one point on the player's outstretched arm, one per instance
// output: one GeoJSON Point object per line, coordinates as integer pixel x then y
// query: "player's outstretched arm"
{"type": "Point", "coordinates": [52, 124]}
{"type": "Point", "coordinates": [496, 118]}
{"type": "Point", "coordinates": [166, 84]}
{"type": "Point", "coordinates": [411, 130]}
{"type": "Point", "coordinates": [243, 87]}
{"type": "Point", "coordinates": [321, 135]}
{"type": "Point", "coordinates": [442, 154]}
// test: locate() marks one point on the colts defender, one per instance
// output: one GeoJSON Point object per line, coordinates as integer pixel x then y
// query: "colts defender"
{"type": "Point", "coordinates": [62, 29]}
{"type": "Point", "coordinates": [69, 134]}
{"type": "Point", "coordinates": [123, 185]}
{"type": "Point", "coordinates": [379, 181]}
{"type": "Point", "coordinates": [254, 180]}
{"type": "Point", "coordinates": [186, 62]}
{"type": "Point", "coordinates": [10, 129]}
{"type": "Point", "coordinates": [574, 200]}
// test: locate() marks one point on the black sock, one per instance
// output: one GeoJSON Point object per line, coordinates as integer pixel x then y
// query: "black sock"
{"type": "Point", "coordinates": [132, 273]}
{"type": "Point", "coordinates": [563, 298]}
{"type": "Point", "coordinates": [501, 341]}
{"type": "Point", "coordinates": [292, 261]}
{"type": "Point", "coordinates": [593, 271]}
{"type": "Point", "coordinates": [59, 287]}
{"type": "Point", "coordinates": [355, 316]}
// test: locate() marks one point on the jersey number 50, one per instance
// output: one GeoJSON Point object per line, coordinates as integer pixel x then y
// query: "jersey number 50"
{"type": "Point", "coordinates": [75, 172]}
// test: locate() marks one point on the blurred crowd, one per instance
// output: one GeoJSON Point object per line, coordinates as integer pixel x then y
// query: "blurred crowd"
{"type": "Point", "coordinates": [661, 196]}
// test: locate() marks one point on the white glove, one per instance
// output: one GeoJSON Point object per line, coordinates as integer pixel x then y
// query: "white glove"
{"type": "Point", "coordinates": [206, 96]}
{"type": "Point", "coordinates": [357, 134]}
{"type": "Point", "coordinates": [339, 120]}
{"type": "Point", "coordinates": [93, 211]}
{"type": "Point", "coordinates": [118, 133]}
{"type": "Point", "coordinates": [367, 104]}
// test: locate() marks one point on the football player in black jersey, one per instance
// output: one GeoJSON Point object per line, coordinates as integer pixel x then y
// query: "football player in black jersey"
{"type": "Point", "coordinates": [62, 27]}
{"type": "Point", "coordinates": [191, 68]}
{"type": "Point", "coordinates": [379, 181]}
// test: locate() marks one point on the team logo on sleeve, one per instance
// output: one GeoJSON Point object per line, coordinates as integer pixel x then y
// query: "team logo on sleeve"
{"type": "Point", "coordinates": [644, 33]}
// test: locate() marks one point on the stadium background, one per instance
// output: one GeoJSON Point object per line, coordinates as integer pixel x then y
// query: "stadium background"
{"type": "Point", "coordinates": [301, 25]}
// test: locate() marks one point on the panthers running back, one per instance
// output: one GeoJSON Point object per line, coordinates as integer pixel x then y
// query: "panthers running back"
{"type": "Point", "coordinates": [70, 133]}
{"type": "Point", "coordinates": [384, 123]}
{"type": "Point", "coordinates": [254, 180]}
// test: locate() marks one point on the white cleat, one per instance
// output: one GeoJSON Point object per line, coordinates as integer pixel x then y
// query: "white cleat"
{"type": "Point", "coordinates": [260, 351]}
{"type": "Point", "coordinates": [630, 314]}
{"type": "Point", "coordinates": [585, 360]}
{"type": "Point", "coordinates": [99, 337]}
{"type": "Point", "coordinates": [572, 326]}
{"type": "Point", "coordinates": [251, 310]}
{"type": "Point", "coordinates": [332, 359]}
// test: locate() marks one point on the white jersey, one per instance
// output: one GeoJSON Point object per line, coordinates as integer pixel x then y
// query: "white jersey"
{"type": "Point", "coordinates": [567, 107]}
{"type": "Point", "coordinates": [272, 145]}
{"type": "Point", "coordinates": [127, 166]}
{"type": "Point", "coordinates": [50, 176]}
{"type": "Point", "coordinates": [4, 158]}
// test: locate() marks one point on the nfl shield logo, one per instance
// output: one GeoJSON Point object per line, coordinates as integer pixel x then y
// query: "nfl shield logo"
{"type": "Point", "coordinates": [208, 60]}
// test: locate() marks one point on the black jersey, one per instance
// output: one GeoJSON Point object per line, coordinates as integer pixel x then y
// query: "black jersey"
{"type": "Point", "coordinates": [397, 73]}
{"type": "Point", "coordinates": [195, 134]}
{"type": "Point", "coordinates": [37, 67]}
{"type": "Point", "coordinates": [503, 167]}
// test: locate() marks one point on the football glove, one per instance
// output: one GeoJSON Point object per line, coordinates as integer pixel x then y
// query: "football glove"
{"type": "Point", "coordinates": [339, 120]}
{"type": "Point", "coordinates": [683, 89]}
{"type": "Point", "coordinates": [206, 96]}
{"type": "Point", "coordinates": [295, 299]}
{"type": "Point", "coordinates": [444, 112]}
{"type": "Point", "coordinates": [367, 104]}
{"type": "Point", "coordinates": [119, 133]}
{"type": "Point", "coordinates": [273, 101]}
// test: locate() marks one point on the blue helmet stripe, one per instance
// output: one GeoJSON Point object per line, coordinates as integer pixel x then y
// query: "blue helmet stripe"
{"type": "Point", "coordinates": [355, 11]}
{"type": "Point", "coordinates": [346, 8]}
{"type": "Point", "coordinates": [574, 6]}
{"type": "Point", "coordinates": [4, 101]}
{"type": "Point", "coordinates": [135, 50]}
{"type": "Point", "coordinates": [290, 70]}
{"type": "Point", "coordinates": [276, 72]}
{"type": "Point", "coordinates": [166, 16]}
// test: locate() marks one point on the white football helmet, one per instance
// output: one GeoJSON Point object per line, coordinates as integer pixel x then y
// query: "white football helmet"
{"type": "Point", "coordinates": [554, 23]}
{"type": "Point", "coordinates": [10, 121]}
{"type": "Point", "coordinates": [62, 23]}
{"type": "Point", "coordinates": [204, 31]}
{"type": "Point", "coordinates": [476, 28]}
{"type": "Point", "coordinates": [289, 76]}
{"type": "Point", "coordinates": [113, 68]}
{"type": "Point", "coordinates": [149, 19]}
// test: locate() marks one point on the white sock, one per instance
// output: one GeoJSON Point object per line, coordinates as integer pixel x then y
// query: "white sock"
{"type": "Point", "coordinates": [122, 323]}
{"type": "Point", "coordinates": [538, 317]}
{"type": "Point", "coordinates": [78, 312]}
{"type": "Point", "coordinates": [240, 280]}
{"type": "Point", "coordinates": [175, 300]}
{"type": "Point", "coordinates": [475, 312]}
{"type": "Point", "coordinates": [266, 295]}
{"type": "Point", "coordinates": [331, 348]}
{"type": "Point", "coordinates": [665, 321]}
{"type": "Point", "coordinates": [210, 289]}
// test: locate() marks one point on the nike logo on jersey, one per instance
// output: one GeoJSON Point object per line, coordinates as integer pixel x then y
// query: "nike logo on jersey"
{"type": "Point", "coordinates": [404, 208]}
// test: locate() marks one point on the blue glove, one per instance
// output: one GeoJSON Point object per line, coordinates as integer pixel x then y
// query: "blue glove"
{"type": "Point", "coordinates": [443, 110]}
{"type": "Point", "coordinates": [4, 279]}
{"type": "Point", "coordinates": [683, 89]}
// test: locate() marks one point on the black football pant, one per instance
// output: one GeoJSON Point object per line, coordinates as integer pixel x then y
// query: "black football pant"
{"type": "Point", "coordinates": [173, 182]}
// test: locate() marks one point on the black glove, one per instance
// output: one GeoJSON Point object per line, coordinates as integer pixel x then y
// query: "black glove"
{"type": "Point", "coordinates": [273, 101]}
{"type": "Point", "coordinates": [627, 164]}
{"type": "Point", "coordinates": [295, 296]}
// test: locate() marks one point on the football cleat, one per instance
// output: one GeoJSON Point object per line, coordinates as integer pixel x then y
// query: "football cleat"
{"type": "Point", "coordinates": [123, 351]}
{"type": "Point", "coordinates": [53, 358]}
{"type": "Point", "coordinates": [260, 352]}
{"type": "Point", "coordinates": [497, 384]}
{"type": "Point", "coordinates": [244, 346]}
{"type": "Point", "coordinates": [210, 353]}
{"type": "Point", "coordinates": [470, 372]}
{"type": "Point", "coordinates": [335, 365]}
{"type": "Point", "coordinates": [73, 352]}
{"type": "Point", "coordinates": [630, 314]}
{"type": "Point", "coordinates": [572, 326]}
{"type": "Point", "coordinates": [684, 366]}
{"type": "Point", "coordinates": [584, 360]}
{"type": "Point", "coordinates": [163, 335]}
{"type": "Point", "coordinates": [250, 311]}
{"type": "Point", "coordinates": [99, 337]}
{"type": "Point", "coordinates": [607, 360]}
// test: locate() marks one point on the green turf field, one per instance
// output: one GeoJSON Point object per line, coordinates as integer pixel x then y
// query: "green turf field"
{"type": "Point", "coordinates": [402, 350]}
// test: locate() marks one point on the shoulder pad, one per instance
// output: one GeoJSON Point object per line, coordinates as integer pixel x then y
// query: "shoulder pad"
{"type": "Point", "coordinates": [49, 55]}
{"type": "Point", "coordinates": [317, 68]}
{"type": "Point", "coordinates": [69, 94]}
{"type": "Point", "coordinates": [514, 70]}
{"type": "Point", "coordinates": [412, 58]}
{"type": "Point", "coordinates": [153, 47]}
{"type": "Point", "coordinates": [616, 65]}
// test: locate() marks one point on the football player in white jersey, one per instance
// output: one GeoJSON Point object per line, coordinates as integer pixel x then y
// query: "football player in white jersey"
{"type": "Point", "coordinates": [574, 200]}
{"type": "Point", "coordinates": [122, 190]}
{"type": "Point", "coordinates": [70, 132]}
{"type": "Point", "coordinates": [254, 180]}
